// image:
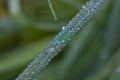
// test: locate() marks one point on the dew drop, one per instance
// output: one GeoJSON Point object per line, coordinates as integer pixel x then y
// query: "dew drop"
{"type": "Point", "coordinates": [78, 28]}
{"type": "Point", "coordinates": [28, 78]}
{"type": "Point", "coordinates": [49, 60]}
{"type": "Point", "coordinates": [68, 38]}
{"type": "Point", "coordinates": [84, 8]}
{"type": "Point", "coordinates": [83, 18]}
{"type": "Point", "coordinates": [64, 27]}
{"type": "Point", "coordinates": [97, 3]}
{"type": "Point", "coordinates": [29, 65]}
{"type": "Point", "coordinates": [50, 50]}
{"type": "Point", "coordinates": [32, 72]}
{"type": "Point", "coordinates": [63, 41]}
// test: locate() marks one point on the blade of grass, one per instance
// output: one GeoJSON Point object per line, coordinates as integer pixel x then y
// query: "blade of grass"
{"type": "Point", "coordinates": [42, 60]}
{"type": "Point", "coordinates": [111, 38]}
{"type": "Point", "coordinates": [106, 70]}
{"type": "Point", "coordinates": [52, 10]}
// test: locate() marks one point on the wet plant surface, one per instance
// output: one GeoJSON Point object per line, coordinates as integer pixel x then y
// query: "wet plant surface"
{"type": "Point", "coordinates": [85, 48]}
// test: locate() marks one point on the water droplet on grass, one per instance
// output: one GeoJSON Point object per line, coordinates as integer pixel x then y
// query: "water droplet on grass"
{"type": "Point", "coordinates": [64, 27]}
{"type": "Point", "coordinates": [32, 72]}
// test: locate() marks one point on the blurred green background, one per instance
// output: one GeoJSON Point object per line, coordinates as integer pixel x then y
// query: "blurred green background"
{"type": "Point", "coordinates": [27, 27]}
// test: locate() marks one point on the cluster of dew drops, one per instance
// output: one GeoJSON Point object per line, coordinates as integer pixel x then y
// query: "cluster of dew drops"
{"type": "Point", "coordinates": [61, 39]}
{"type": "Point", "coordinates": [75, 24]}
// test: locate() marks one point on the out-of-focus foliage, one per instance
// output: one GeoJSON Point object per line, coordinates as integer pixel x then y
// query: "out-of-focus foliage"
{"type": "Point", "coordinates": [93, 54]}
